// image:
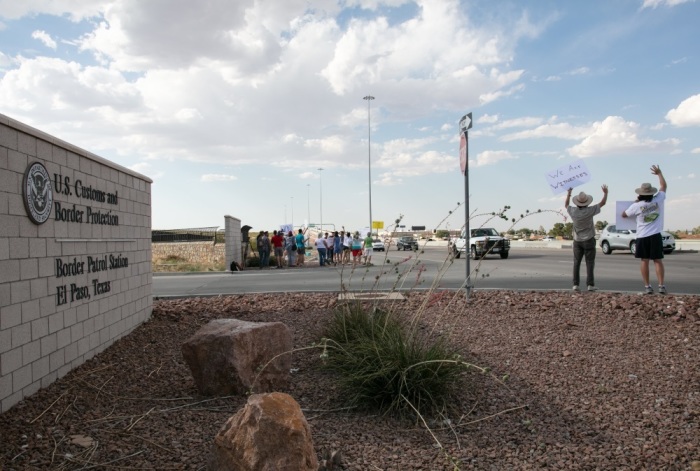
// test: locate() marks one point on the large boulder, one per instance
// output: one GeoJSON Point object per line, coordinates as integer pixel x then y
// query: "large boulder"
{"type": "Point", "coordinates": [269, 434]}
{"type": "Point", "coordinates": [227, 355]}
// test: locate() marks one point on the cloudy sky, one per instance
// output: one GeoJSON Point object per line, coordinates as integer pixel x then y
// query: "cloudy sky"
{"type": "Point", "coordinates": [231, 107]}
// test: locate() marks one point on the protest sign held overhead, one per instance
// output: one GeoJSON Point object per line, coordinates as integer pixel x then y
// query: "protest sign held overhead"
{"type": "Point", "coordinates": [568, 176]}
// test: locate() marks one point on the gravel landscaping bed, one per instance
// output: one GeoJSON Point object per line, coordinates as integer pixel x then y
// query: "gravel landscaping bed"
{"type": "Point", "coordinates": [576, 381]}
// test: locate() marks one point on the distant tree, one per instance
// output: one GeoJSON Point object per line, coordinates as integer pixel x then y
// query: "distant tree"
{"type": "Point", "coordinates": [600, 225]}
{"type": "Point", "coordinates": [440, 233]}
{"type": "Point", "coordinates": [557, 230]}
{"type": "Point", "coordinates": [569, 230]}
{"type": "Point", "coordinates": [511, 231]}
{"type": "Point", "coordinates": [696, 231]}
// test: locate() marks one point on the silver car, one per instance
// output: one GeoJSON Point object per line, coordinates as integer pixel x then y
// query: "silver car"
{"type": "Point", "coordinates": [623, 239]}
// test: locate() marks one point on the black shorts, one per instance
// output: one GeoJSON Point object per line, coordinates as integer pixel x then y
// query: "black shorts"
{"type": "Point", "coordinates": [650, 247]}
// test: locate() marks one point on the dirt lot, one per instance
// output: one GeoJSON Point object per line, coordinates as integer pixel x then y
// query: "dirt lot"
{"type": "Point", "coordinates": [577, 381]}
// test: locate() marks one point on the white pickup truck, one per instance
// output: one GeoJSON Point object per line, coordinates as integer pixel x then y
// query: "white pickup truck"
{"type": "Point", "coordinates": [484, 241]}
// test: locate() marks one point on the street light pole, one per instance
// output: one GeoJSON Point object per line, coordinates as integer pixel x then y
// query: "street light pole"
{"type": "Point", "coordinates": [308, 203]}
{"type": "Point", "coordinates": [369, 98]}
{"type": "Point", "coordinates": [320, 190]}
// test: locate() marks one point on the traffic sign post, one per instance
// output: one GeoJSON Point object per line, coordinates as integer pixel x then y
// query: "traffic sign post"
{"type": "Point", "coordinates": [464, 125]}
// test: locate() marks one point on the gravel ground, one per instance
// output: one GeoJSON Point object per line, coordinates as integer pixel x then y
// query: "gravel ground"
{"type": "Point", "coordinates": [577, 381]}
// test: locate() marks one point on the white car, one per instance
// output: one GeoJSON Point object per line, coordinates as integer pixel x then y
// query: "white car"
{"type": "Point", "coordinates": [613, 238]}
{"type": "Point", "coordinates": [377, 245]}
{"type": "Point", "coordinates": [548, 239]}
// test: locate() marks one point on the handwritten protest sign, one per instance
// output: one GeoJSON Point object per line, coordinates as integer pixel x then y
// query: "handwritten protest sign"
{"type": "Point", "coordinates": [568, 176]}
{"type": "Point", "coordinates": [624, 223]}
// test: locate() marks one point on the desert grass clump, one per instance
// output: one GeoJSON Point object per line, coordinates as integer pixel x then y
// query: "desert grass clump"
{"type": "Point", "coordinates": [177, 263]}
{"type": "Point", "coordinates": [385, 365]}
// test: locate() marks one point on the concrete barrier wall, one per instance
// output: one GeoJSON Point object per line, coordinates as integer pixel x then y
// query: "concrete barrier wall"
{"type": "Point", "coordinates": [75, 257]}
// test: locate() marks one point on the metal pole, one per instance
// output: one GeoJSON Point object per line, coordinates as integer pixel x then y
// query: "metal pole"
{"type": "Point", "coordinates": [464, 125]}
{"type": "Point", "coordinates": [467, 234]}
{"type": "Point", "coordinates": [292, 214]}
{"type": "Point", "coordinates": [320, 187]}
{"type": "Point", "coordinates": [308, 203]}
{"type": "Point", "coordinates": [369, 98]}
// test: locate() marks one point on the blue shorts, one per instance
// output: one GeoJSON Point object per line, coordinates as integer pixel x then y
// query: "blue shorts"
{"type": "Point", "coordinates": [650, 247]}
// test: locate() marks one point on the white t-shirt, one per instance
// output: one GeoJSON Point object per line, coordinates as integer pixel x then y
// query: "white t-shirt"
{"type": "Point", "coordinates": [320, 243]}
{"type": "Point", "coordinates": [650, 215]}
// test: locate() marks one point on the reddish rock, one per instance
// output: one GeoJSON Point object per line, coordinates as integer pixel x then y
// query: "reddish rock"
{"type": "Point", "coordinates": [227, 355]}
{"type": "Point", "coordinates": [269, 434]}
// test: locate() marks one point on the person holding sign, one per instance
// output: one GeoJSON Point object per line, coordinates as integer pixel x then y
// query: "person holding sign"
{"type": "Point", "coordinates": [584, 233]}
{"type": "Point", "coordinates": [649, 211]}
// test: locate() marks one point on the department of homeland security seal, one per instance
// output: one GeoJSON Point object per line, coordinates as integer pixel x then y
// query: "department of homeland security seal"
{"type": "Point", "coordinates": [38, 193]}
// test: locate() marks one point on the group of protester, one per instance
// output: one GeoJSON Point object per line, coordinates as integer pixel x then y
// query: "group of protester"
{"type": "Point", "coordinates": [281, 245]}
{"type": "Point", "coordinates": [338, 246]}
{"type": "Point", "coordinates": [333, 248]}
{"type": "Point", "coordinates": [648, 211]}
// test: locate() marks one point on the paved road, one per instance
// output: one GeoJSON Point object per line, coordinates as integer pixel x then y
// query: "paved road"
{"type": "Point", "coordinates": [526, 268]}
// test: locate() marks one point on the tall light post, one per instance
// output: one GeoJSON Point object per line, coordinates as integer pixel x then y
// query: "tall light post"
{"type": "Point", "coordinates": [320, 190]}
{"type": "Point", "coordinates": [308, 203]}
{"type": "Point", "coordinates": [369, 99]}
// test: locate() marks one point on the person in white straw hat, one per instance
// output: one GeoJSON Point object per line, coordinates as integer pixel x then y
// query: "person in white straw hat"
{"type": "Point", "coordinates": [584, 232]}
{"type": "Point", "coordinates": [649, 211]}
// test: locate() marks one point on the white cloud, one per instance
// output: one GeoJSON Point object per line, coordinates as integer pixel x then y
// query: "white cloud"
{"type": "Point", "coordinates": [45, 39]}
{"type": "Point", "coordinates": [682, 60]}
{"type": "Point", "coordinates": [668, 3]}
{"type": "Point", "coordinates": [239, 82]}
{"type": "Point", "coordinates": [213, 177]}
{"type": "Point", "coordinates": [402, 158]}
{"type": "Point", "coordinates": [687, 113]}
{"type": "Point", "coordinates": [556, 130]}
{"type": "Point", "coordinates": [144, 168]}
{"type": "Point", "coordinates": [76, 10]}
{"type": "Point", "coordinates": [5, 61]}
{"type": "Point", "coordinates": [138, 36]}
{"type": "Point", "coordinates": [388, 179]}
{"type": "Point", "coordinates": [580, 71]}
{"type": "Point", "coordinates": [616, 136]}
{"type": "Point", "coordinates": [524, 122]}
{"type": "Point", "coordinates": [491, 157]}
{"type": "Point", "coordinates": [695, 151]}
{"type": "Point", "coordinates": [328, 145]}
{"type": "Point", "coordinates": [404, 57]}
{"type": "Point", "coordinates": [488, 119]}
{"type": "Point", "coordinates": [493, 96]}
